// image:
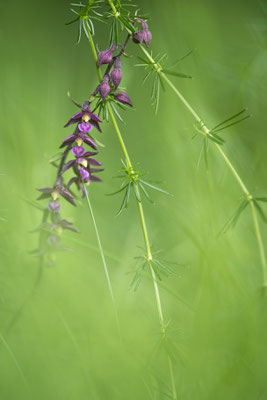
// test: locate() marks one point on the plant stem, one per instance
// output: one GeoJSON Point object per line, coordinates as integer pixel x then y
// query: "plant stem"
{"type": "Point", "coordinates": [226, 159]}
{"type": "Point", "coordinates": [103, 258]}
{"type": "Point", "coordinates": [141, 213]}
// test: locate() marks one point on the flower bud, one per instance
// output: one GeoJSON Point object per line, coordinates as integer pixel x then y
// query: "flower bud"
{"type": "Point", "coordinates": [138, 37]}
{"type": "Point", "coordinates": [147, 36]}
{"type": "Point", "coordinates": [116, 76]}
{"type": "Point", "coordinates": [104, 88]}
{"type": "Point", "coordinates": [105, 57]}
{"type": "Point", "coordinates": [123, 98]}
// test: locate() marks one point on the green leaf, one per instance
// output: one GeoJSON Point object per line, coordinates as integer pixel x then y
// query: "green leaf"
{"type": "Point", "coordinates": [235, 217]}
{"type": "Point", "coordinates": [125, 201]}
{"type": "Point", "coordinates": [145, 192]}
{"type": "Point", "coordinates": [230, 119]}
{"type": "Point", "coordinates": [136, 192]}
{"type": "Point", "coordinates": [233, 123]}
{"type": "Point", "coordinates": [175, 73]}
{"type": "Point", "coordinates": [264, 199]}
{"type": "Point", "coordinates": [183, 57]}
{"type": "Point", "coordinates": [118, 191]}
{"type": "Point", "coordinates": [72, 22]}
{"type": "Point", "coordinates": [154, 187]}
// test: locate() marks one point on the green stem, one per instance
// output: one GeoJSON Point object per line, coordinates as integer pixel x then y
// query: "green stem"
{"type": "Point", "coordinates": [103, 258]}
{"type": "Point", "coordinates": [234, 172]}
{"type": "Point", "coordinates": [140, 209]}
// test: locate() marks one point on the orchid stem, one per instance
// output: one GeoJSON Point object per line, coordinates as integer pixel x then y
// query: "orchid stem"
{"type": "Point", "coordinates": [103, 259]}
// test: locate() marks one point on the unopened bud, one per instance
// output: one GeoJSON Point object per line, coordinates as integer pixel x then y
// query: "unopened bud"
{"type": "Point", "coordinates": [147, 36]}
{"type": "Point", "coordinates": [104, 88]}
{"type": "Point", "coordinates": [138, 37]}
{"type": "Point", "coordinates": [116, 76]}
{"type": "Point", "coordinates": [123, 98]}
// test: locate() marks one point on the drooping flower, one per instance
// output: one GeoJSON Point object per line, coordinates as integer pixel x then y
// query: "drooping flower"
{"type": "Point", "coordinates": [144, 35]}
{"type": "Point", "coordinates": [55, 192]}
{"type": "Point", "coordinates": [83, 159]}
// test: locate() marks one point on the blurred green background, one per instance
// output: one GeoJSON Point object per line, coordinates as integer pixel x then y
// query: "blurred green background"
{"type": "Point", "coordinates": [64, 343]}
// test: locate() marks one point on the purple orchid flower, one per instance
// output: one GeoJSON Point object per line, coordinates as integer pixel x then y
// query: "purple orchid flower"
{"type": "Point", "coordinates": [80, 136]}
{"type": "Point", "coordinates": [55, 192]}
{"type": "Point", "coordinates": [83, 159]}
{"type": "Point", "coordinates": [85, 116]}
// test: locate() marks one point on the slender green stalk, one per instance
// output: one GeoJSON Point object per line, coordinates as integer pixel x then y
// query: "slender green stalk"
{"type": "Point", "coordinates": [103, 258]}
{"type": "Point", "coordinates": [141, 214]}
{"type": "Point", "coordinates": [226, 159]}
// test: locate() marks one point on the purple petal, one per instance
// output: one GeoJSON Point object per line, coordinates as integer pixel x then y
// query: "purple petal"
{"type": "Point", "coordinates": [78, 151]}
{"type": "Point", "coordinates": [71, 181]}
{"type": "Point", "coordinates": [90, 143]}
{"type": "Point", "coordinates": [74, 119]}
{"type": "Point", "coordinates": [95, 179]}
{"type": "Point", "coordinates": [90, 153]}
{"type": "Point", "coordinates": [94, 117]}
{"type": "Point", "coordinates": [67, 140]}
{"type": "Point", "coordinates": [84, 127]}
{"type": "Point", "coordinates": [95, 124]}
{"type": "Point", "coordinates": [94, 170]}
{"type": "Point", "coordinates": [92, 161]}
{"type": "Point", "coordinates": [67, 196]}
{"type": "Point", "coordinates": [84, 174]}
{"type": "Point", "coordinates": [46, 190]}
{"type": "Point", "coordinates": [67, 166]}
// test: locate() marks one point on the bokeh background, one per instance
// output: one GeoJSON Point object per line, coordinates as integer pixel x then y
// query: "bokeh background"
{"type": "Point", "coordinates": [61, 342]}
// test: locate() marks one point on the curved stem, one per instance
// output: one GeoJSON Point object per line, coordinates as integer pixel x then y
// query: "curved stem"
{"type": "Point", "coordinates": [226, 159]}
{"type": "Point", "coordinates": [102, 257]}
{"type": "Point", "coordinates": [141, 214]}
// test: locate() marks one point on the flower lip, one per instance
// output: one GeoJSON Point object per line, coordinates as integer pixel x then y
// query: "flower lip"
{"type": "Point", "coordinates": [84, 127]}
{"type": "Point", "coordinates": [78, 151]}
{"type": "Point", "coordinates": [84, 174]}
{"type": "Point", "coordinates": [53, 206]}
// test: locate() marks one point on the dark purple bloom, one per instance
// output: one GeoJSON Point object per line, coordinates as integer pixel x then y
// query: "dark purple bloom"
{"type": "Point", "coordinates": [123, 97]}
{"type": "Point", "coordinates": [53, 206]}
{"type": "Point", "coordinates": [116, 74]}
{"type": "Point", "coordinates": [79, 138]}
{"type": "Point", "coordinates": [105, 57]}
{"type": "Point", "coordinates": [86, 116]}
{"type": "Point", "coordinates": [83, 159]}
{"type": "Point", "coordinates": [104, 88]}
{"type": "Point", "coordinates": [55, 192]}
{"type": "Point", "coordinates": [147, 36]}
